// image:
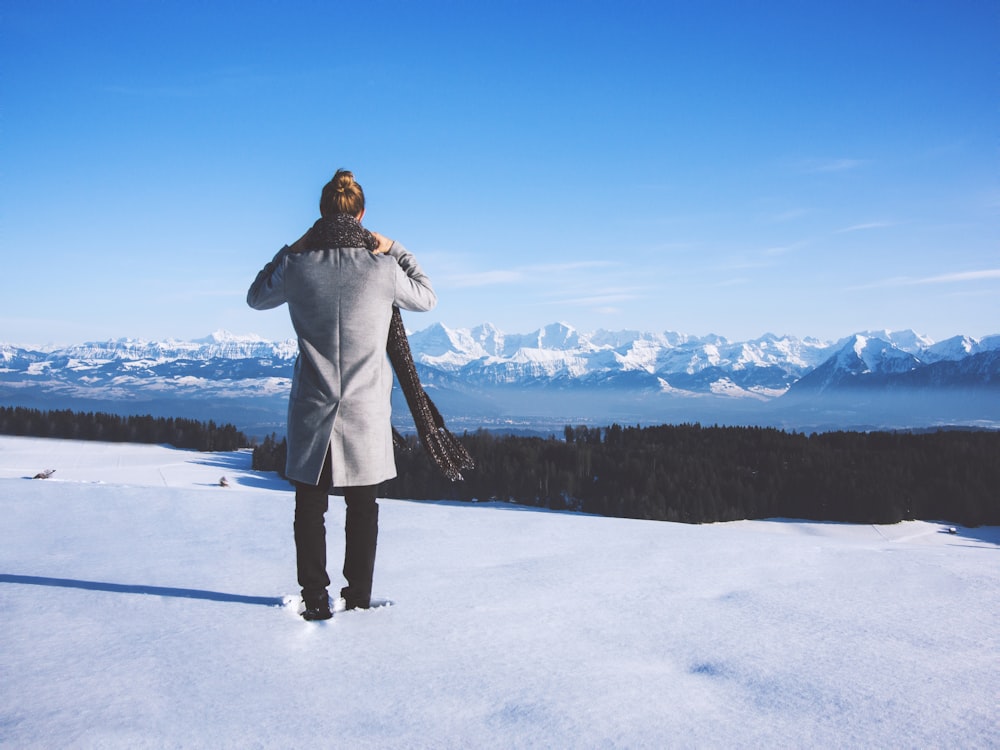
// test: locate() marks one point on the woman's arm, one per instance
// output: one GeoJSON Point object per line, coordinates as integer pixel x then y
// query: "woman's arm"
{"type": "Point", "coordinates": [413, 288]}
{"type": "Point", "coordinates": [268, 289]}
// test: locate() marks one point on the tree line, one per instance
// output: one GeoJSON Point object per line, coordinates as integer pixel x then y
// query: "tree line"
{"type": "Point", "coordinates": [696, 474]}
{"type": "Point", "coordinates": [181, 433]}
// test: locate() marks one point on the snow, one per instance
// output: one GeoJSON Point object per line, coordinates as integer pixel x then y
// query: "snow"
{"type": "Point", "coordinates": [726, 387]}
{"type": "Point", "coordinates": [223, 336]}
{"type": "Point", "coordinates": [140, 609]}
{"type": "Point", "coordinates": [38, 368]}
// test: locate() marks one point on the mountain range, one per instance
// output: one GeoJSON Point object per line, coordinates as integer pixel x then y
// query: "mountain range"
{"type": "Point", "coordinates": [557, 375]}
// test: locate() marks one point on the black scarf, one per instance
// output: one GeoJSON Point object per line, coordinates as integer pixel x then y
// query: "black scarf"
{"type": "Point", "coordinates": [449, 455]}
{"type": "Point", "coordinates": [339, 230]}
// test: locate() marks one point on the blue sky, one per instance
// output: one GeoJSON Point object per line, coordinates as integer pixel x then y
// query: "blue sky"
{"type": "Point", "coordinates": [705, 167]}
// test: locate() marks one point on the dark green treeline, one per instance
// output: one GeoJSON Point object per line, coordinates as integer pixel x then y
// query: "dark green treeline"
{"type": "Point", "coordinates": [181, 433]}
{"type": "Point", "coordinates": [700, 474]}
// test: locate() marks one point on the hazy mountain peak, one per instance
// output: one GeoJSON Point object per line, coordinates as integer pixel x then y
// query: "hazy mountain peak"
{"type": "Point", "coordinates": [484, 370]}
{"type": "Point", "coordinates": [223, 336]}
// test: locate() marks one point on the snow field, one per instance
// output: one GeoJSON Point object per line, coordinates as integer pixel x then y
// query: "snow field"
{"type": "Point", "coordinates": [135, 594]}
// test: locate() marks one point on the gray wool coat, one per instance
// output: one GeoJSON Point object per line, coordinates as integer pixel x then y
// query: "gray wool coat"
{"type": "Point", "coordinates": [340, 301]}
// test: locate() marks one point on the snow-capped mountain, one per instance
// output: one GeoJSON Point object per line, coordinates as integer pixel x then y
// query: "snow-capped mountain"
{"type": "Point", "coordinates": [866, 361]}
{"type": "Point", "coordinates": [559, 353]}
{"type": "Point", "coordinates": [218, 345]}
{"type": "Point", "coordinates": [861, 355]}
{"type": "Point", "coordinates": [483, 375]}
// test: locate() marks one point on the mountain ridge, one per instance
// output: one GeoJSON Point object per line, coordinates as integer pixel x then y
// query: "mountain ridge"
{"type": "Point", "coordinates": [485, 376]}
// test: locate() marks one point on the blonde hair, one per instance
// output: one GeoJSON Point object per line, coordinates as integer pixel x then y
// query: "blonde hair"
{"type": "Point", "coordinates": [342, 195]}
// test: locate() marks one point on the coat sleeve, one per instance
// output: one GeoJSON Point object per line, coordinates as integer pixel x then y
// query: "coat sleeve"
{"type": "Point", "coordinates": [413, 288]}
{"type": "Point", "coordinates": [268, 289]}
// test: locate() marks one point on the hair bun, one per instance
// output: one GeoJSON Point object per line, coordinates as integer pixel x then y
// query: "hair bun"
{"type": "Point", "coordinates": [343, 180]}
{"type": "Point", "coordinates": [342, 195]}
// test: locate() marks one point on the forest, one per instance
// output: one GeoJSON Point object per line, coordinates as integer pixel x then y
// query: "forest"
{"type": "Point", "coordinates": [687, 473]}
{"type": "Point", "coordinates": [696, 474]}
{"type": "Point", "coordinates": [180, 433]}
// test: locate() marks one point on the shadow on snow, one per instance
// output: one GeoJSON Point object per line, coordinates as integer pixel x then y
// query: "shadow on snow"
{"type": "Point", "coordinates": [122, 588]}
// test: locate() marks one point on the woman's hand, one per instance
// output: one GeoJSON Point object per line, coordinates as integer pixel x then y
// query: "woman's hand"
{"type": "Point", "coordinates": [384, 243]}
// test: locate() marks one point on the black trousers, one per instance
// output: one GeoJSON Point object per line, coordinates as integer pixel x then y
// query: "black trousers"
{"type": "Point", "coordinates": [360, 540]}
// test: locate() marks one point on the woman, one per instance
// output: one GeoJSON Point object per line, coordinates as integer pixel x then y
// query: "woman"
{"type": "Point", "coordinates": [340, 282]}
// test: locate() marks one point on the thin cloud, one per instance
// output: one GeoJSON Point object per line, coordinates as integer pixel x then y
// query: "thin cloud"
{"type": "Point", "coordinates": [820, 166]}
{"type": "Point", "coordinates": [746, 264]}
{"type": "Point", "coordinates": [783, 217]}
{"type": "Point", "coordinates": [866, 226]}
{"type": "Point", "coordinates": [543, 271]}
{"type": "Point", "coordinates": [563, 267]}
{"type": "Point", "coordinates": [947, 278]}
{"type": "Point", "coordinates": [785, 249]}
{"type": "Point", "coordinates": [586, 295]}
{"type": "Point", "coordinates": [596, 299]}
{"type": "Point", "coordinates": [485, 278]}
{"type": "Point", "coordinates": [951, 278]}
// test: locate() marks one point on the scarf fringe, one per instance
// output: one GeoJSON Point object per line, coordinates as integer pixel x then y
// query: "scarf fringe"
{"type": "Point", "coordinates": [447, 453]}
